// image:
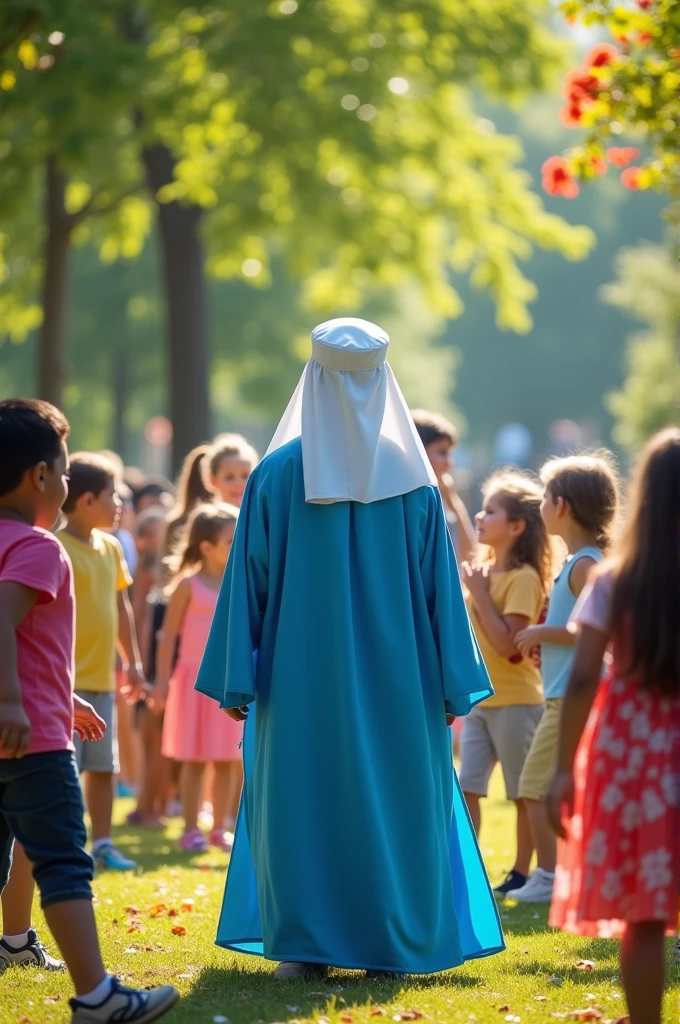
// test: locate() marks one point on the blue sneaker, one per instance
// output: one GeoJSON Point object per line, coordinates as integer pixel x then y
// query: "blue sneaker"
{"type": "Point", "coordinates": [108, 858]}
{"type": "Point", "coordinates": [514, 880]}
{"type": "Point", "coordinates": [126, 1005]}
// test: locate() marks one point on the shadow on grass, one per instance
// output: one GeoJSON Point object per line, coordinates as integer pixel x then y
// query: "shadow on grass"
{"type": "Point", "coordinates": [255, 995]}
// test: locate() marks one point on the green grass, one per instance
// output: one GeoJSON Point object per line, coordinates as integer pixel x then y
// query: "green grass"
{"type": "Point", "coordinates": [536, 979]}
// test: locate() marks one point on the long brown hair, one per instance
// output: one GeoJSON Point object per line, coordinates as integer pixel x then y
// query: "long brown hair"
{"type": "Point", "coordinates": [646, 597]}
{"type": "Point", "coordinates": [191, 490]}
{"type": "Point", "coordinates": [520, 496]}
{"type": "Point", "coordinates": [588, 485]}
{"type": "Point", "coordinates": [206, 523]}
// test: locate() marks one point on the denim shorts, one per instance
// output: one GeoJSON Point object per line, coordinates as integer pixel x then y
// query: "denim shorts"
{"type": "Point", "coordinates": [41, 806]}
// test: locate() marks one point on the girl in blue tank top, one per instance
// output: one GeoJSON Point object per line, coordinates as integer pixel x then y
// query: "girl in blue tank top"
{"type": "Point", "coordinates": [579, 506]}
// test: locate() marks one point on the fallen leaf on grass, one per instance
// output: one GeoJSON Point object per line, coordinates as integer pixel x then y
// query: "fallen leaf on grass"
{"type": "Point", "coordinates": [378, 1011]}
{"type": "Point", "coordinates": [503, 1009]}
{"type": "Point", "coordinates": [157, 910]}
{"type": "Point", "coordinates": [132, 911]}
{"type": "Point", "coordinates": [51, 999]}
{"type": "Point", "coordinates": [172, 912]}
{"type": "Point", "coordinates": [585, 965]}
{"type": "Point", "coordinates": [188, 904]}
{"type": "Point", "coordinates": [622, 1020]}
{"type": "Point", "coordinates": [179, 929]}
{"type": "Point", "coordinates": [409, 1015]}
{"type": "Point", "coordinates": [347, 1018]}
{"type": "Point", "coordinates": [590, 1013]}
{"type": "Point", "coordinates": [135, 926]}
{"type": "Point", "coordinates": [541, 999]}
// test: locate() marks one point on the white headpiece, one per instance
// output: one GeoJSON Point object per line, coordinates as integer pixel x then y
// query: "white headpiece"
{"type": "Point", "coordinates": [359, 441]}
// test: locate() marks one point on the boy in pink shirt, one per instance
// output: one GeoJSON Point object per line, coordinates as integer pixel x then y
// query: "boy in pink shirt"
{"type": "Point", "coordinates": [40, 799]}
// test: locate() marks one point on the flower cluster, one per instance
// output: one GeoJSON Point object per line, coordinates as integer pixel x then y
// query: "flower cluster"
{"type": "Point", "coordinates": [627, 87]}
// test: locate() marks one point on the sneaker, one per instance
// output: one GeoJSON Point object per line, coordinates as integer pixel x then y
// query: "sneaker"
{"type": "Point", "coordinates": [194, 842]}
{"type": "Point", "coordinates": [539, 888]}
{"type": "Point", "coordinates": [514, 880]}
{"type": "Point", "coordinates": [108, 858]}
{"type": "Point", "coordinates": [222, 839]}
{"type": "Point", "coordinates": [131, 1005]}
{"type": "Point", "coordinates": [33, 954]}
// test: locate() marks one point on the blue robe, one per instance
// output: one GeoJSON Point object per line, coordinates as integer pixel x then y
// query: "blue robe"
{"type": "Point", "coordinates": [343, 627]}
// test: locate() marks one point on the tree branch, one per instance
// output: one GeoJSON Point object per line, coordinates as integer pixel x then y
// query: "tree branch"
{"type": "Point", "coordinates": [20, 31]}
{"type": "Point", "coordinates": [90, 208]}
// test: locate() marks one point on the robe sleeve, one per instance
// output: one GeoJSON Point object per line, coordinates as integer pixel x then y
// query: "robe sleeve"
{"type": "Point", "coordinates": [228, 668]}
{"type": "Point", "coordinates": [465, 679]}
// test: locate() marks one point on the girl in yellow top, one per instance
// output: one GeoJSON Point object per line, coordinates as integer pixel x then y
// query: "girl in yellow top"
{"type": "Point", "coordinates": [505, 595]}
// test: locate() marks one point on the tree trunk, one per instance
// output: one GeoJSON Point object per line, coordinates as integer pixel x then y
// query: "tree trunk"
{"type": "Point", "coordinates": [52, 341]}
{"type": "Point", "coordinates": [119, 378]}
{"type": "Point", "coordinates": [186, 310]}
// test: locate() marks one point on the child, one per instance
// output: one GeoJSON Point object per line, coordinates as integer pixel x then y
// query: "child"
{"type": "Point", "coordinates": [505, 597]}
{"type": "Point", "coordinates": [227, 466]}
{"type": "Point", "coordinates": [440, 438]}
{"type": "Point", "coordinates": [618, 773]}
{"type": "Point", "coordinates": [195, 732]}
{"type": "Point", "coordinates": [191, 491]}
{"type": "Point", "coordinates": [103, 615]}
{"type": "Point", "coordinates": [155, 771]}
{"type": "Point", "coordinates": [40, 798]}
{"type": "Point", "coordinates": [579, 507]}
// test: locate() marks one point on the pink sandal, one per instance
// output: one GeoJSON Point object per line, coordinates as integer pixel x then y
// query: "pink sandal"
{"type": "Point", "coordinates": [222, 839]}
{"type": "Point", "coordinates": [194, 842]}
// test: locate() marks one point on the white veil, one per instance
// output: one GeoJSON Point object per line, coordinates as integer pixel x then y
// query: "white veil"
{"type": "Point", "coordinates": [359, 441]}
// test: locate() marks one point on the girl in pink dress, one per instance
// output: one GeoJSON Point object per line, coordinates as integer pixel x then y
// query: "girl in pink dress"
{"type": "Point", "coordinates": [618, 871]}
{"type": "Point", "coordinates": [195, 731]}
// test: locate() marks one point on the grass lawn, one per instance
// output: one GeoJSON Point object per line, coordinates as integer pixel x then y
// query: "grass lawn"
{"type": "Point", "coordinates": [537, 979]}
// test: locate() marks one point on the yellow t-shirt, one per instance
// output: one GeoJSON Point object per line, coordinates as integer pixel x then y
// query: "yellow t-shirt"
{"type": "Point", "coordinates": [515, 592]}
{"type": "Point", "coordinates": [99, 572]}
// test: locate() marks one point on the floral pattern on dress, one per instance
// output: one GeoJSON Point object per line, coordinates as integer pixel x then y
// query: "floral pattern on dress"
{"type": "Point", "coordinates": [621, 862]}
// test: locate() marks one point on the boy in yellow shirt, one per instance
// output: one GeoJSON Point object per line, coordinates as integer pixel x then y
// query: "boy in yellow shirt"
{"type": "Point", "coordinates": [104, 621]}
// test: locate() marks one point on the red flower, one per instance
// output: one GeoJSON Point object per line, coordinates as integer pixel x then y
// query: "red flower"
{"type": "Point", "coordinates": [620, 156]}
{"type": "Point", "coordinates": [571, 115]}
{"type": "Point", "coordinates": [557, 178]}
{"type": "Point", "coordinates": [580, 85]}
{"type": "Point", "coordinates": [644, 38]}
{"type": "Point", "coordinates": [631, 178]}
{"type": "Point", "coordinates": [598, 165]}
{"type": "Point", "coordinates": [644, 4]}
{"type": "Point", "coordinates": [600, 55]}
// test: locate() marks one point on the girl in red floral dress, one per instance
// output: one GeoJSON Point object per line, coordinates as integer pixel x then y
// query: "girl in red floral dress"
{"type": "Point", "coordinates": [618, 872]}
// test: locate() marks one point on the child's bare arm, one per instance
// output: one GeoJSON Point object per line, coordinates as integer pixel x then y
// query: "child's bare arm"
{"type": "Point", "coordinates": [167, 640]}
{"type": "Point", "coordinates": [16, 601]}
{"type": "Point", "coordinates": [128, 646]}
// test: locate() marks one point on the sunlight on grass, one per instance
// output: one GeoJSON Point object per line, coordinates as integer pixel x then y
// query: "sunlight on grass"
{"type": "Point", "coordinates": [536, 980]}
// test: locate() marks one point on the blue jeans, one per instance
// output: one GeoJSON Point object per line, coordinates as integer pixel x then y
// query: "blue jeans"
{"type": "Point", "coordinates": [41, 806]}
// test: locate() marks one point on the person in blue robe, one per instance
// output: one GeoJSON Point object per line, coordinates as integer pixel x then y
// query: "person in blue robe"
{"type": "Point", "coordinates": [342, 638]}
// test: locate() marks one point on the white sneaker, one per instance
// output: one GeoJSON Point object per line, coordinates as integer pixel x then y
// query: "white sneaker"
{"type": "Point", "coordinates": [539, 888]}
{"type": "Point", "coordinates": [126, 1005]}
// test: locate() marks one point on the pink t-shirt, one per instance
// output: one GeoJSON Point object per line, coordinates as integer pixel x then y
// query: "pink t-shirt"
{"type": "Point", "coordinates": [35, 558]}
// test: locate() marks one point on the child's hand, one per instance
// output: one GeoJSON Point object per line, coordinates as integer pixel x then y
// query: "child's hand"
{"type": "Point", "coordinates": [527, 639]}
{"type": "Point", "coordinates": [238, 714]}
{"type": "Point", "coordinates": [157, 698]}
{"type": "Point", "coordinates": [560, 793]}
{"type": "Point", "coordinates": [87, 722]}
{"type": "Point", "coordinates": [476, 580]}
{"type": "Point", "coordinates": [15, 728]}
{"type": "Point", "coordinates": [136, 684]}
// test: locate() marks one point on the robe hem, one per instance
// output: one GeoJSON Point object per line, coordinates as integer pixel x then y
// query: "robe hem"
{"type": "Point", "coordinates": [234, 947]}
